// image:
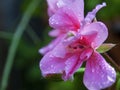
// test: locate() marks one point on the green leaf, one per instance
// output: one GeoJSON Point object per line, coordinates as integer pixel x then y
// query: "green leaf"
{"type": "Point", "coordinates": [118, 84]}
{"type": "Point", "coordinates": [105, 47]}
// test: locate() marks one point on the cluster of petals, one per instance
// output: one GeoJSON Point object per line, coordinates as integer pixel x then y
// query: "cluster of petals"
{"type": "Point", "coordinates": [77, 38]}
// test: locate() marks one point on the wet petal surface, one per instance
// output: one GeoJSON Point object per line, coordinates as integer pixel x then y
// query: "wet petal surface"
{"type": "Point", "coordinates": [52, 65]}
{"type": "Point", "coordinates": [72, 65]}
{"type": "Point", "coordinates": [101, 31]}
{"type": "Point", "coordinates": [98, 73]}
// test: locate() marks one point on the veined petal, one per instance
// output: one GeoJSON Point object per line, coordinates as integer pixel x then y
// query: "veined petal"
{"type": "Point", "coordinates": [100, 29]}
{"type": "Point", "coordinates": [91, 15]}
{"type": "Point", "coordinates": [88, 38]}
{"type": "Point", "coordinates": [72, 65]}
{"type": "Point", "coordinates": [64, 19]}
{"type": "Point", "coordinates": [98, 73]}
{"type": "Point", "coordinates": [86, 54]}
{"type": "Point", "coordinates": [51, 65]}
{"type": "Point", "coordinates": [77, 6]}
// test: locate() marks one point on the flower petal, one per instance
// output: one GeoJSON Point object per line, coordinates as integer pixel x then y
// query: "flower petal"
{"type": "Point", "coordinates": [98, 73]}
{"type": "Point", "coordinates": [64, 19]}
{"type": "Point", "coordinates": [51, 65]}
{"type": "Point", "coordinates": [102, 33]}
{"type": "Point", "coordinates": [88, 38]}
{"type": "Point", "coordinates": [51, 45]}
{"type": "Point", "coordinates": [69, 15]}
{"type": "Point", "coordinates": [86, 53]}
{"type": "Point", "coordinates": [72, 65]}
{"type": "Point", "coordinates": [91, 15]}
{"type": "Point", "coordinates": [77, 6]}
{"type": "Point", "coordinates": [52, 6]}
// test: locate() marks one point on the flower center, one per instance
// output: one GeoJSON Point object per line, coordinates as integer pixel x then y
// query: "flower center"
{"type": "Point", "coordinates": [76, 47]}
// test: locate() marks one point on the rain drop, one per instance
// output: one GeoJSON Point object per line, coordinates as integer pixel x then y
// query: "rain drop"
{"type": "Point", "coordinates": [52, 66]}
{"type": "Point", "coordinates": [110, 79]}
{"type": "Point", "coordinates": [93, 70]}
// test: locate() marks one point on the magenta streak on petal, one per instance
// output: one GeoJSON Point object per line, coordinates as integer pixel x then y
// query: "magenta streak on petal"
{"type": "Point", "coordinates": [101, 30]}
{"type": "Point", "coordinates": [72, 64]}
{"type": "Point", "coordinates": [86, 54]}
{"type": "Point", "coordinates": [91, 15]}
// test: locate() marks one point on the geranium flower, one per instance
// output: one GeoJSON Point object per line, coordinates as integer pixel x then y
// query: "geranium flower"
{"type": "Point", "coordinates": [78, 45]}
{"type": "Point", "coordinates": [59, 33]}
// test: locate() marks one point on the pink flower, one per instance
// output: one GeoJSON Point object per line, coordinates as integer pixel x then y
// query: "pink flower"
{"type": "Point", "coordinates": [78, 45]}
{"type": "Point", "coordinates": [59, 33]}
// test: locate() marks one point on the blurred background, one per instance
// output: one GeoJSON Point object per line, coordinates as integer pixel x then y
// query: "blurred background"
{"type": "Point", "coordinates": [25, 74]}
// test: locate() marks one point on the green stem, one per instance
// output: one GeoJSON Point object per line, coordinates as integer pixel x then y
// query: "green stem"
{"type": "Point", "coordinates": [34, 37]}
{"type": "Point", "coordinates": [118, 84]}
{"type": "Point", "coordinates": [15, 41]}
{"type": "Point", "coordinates": [80, 70]}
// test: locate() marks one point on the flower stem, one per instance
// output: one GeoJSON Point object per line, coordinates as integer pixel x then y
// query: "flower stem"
{"type": "Point", "coordinates": [118, 84]}
{"type": "Point", "coordinates": [15, 41]}
{"type": "Point", "coordinates": [81, 70]}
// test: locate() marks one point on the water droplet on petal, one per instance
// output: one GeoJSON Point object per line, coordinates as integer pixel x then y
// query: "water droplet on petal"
{"type": "Point", "coordinates": [52, 66]}
{"type": "Point", "coordinates": [110, 79]}
{"type": "Point", "coordinates": [93, 70]}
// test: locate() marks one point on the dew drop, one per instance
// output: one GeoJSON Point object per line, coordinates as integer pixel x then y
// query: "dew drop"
{"type": "Point", "coordinates": [52, 66]}
{"type": "Point", "coordinates": [93, 70]}
{"type": "Point", "coordinates": [40, 65]}
{"type": "Point", "coordinates": [110, 79]}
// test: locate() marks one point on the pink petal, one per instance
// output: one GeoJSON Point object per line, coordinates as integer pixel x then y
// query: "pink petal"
{"type": "Point", "coordinates": [88, 38]}
{"type": "Point", "coordinates": [72, 64]}
{"type": "Point", "coordinates": [98, 73]}
{"type": "Point", "coordinates": [86, 54]}
{"type": "Point", "coordinates": [64, 19]}
{"type": "Point", "coordinates": [100, 29]}
{"type": "Point", "coordinates": [59, 50]}
{"type": "Point", "coordinates": [91, 15]}
{"type": "Point", "coordinates": [55, 33]}
{"type": "Point", "coordinates": [51, 65]}
{"type": "Point", "coordinates": [51, 45]}
{"type": "Point", "coordinates": [52, 6]}
{"type": "Point", "coordinates": [77, 6]}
